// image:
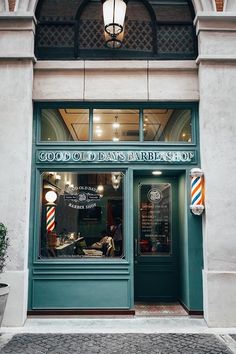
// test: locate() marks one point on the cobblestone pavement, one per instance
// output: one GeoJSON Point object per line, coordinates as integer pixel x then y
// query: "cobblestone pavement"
{"type": "Point", "coordinates": [115, 344]}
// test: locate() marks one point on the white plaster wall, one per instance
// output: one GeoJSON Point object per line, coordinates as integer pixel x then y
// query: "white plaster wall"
{"type": "Point", "coordinates": [116, 81]}
{"type": "Point", "coordinates": [219, 296]}
{"type": "Point", "coordinates": [217, 43]}
{"type": "Point", "coordinates": [217, 77]}
{"type": "Point", "coordinates": [218, 155]}
{"type": "Point", "coordinates": [15, 177]}
{"type": "Point", "coordinates": [16, 309]}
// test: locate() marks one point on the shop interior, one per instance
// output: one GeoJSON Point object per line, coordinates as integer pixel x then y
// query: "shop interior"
{"type": "Point", "coordinates": [82, 214]}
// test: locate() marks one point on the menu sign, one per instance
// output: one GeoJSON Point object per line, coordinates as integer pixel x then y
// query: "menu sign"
{"type": "Point", "coordinates": [155, 218]}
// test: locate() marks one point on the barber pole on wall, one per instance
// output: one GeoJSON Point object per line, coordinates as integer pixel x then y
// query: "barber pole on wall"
{"type": "Point", "coordinates": [197, 191]}
{"type": "Point", "coordinates": [50, 197]}
{"type": "Point", "coordinates": [50, 219]}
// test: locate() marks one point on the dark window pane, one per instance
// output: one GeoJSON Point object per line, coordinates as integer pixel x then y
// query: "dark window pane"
{"type": "Point", "coordinates": [155, 219]}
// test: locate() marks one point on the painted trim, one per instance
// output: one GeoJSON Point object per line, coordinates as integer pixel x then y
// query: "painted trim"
{"type": "Point", "coordinates": [81, 313]}
{"type": "Point", "coordinates": [192, 312]}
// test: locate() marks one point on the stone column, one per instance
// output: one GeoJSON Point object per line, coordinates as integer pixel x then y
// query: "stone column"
{"type": "Point", "coordinates": [217, 87]}
{"type": "Point", "coordinates": [16, 73]}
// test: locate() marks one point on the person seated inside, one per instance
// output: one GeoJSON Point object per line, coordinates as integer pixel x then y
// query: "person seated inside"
{"type": "Point", "coordinates": [116, 232]}
{"type": "Point", "coordinates": [105, 244]}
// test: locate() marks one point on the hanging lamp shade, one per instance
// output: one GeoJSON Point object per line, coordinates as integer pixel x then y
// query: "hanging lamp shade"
{"type": "Point", "coordinates": [114, 16]}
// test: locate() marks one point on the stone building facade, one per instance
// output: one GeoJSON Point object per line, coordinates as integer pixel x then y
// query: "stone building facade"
{"type": "Point", "coordinates": [208, 81]}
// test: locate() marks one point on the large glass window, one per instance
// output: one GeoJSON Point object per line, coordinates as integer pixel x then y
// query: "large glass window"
{"type": "Point", "coordinates": [170, 125]}
{"type": "Point", "coordinates": [82, 215]}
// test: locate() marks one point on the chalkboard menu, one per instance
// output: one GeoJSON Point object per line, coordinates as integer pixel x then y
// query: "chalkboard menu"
{"type": "Point", "coordinates": [155, 219]}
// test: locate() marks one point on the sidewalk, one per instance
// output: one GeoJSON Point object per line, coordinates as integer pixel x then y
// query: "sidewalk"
{"type": "Point", "coordinates": [132, 335]}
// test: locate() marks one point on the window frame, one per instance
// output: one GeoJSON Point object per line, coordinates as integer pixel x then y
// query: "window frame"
{"type": "Point", "coordinates": [37, 258]}
{"type": "Point", "coordinates": [192, 106]}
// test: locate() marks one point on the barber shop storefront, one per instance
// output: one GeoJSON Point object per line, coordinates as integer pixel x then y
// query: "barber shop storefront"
{"type": "Point", "coordinates": [117, 157]}
{"type": "Point", "coordinates": [110, 207]}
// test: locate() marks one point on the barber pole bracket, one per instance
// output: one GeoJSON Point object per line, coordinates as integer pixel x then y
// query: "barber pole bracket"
{"type": "Point", "coordinates": [197, 191]}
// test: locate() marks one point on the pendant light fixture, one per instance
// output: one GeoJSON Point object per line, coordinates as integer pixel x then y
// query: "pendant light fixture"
{"type": "Point", "coordinates": [116, 124]}
{"type": "Point", "coordinates": [116, 179]}
{"type": "Point", "coordinates": [113, 41]}
{"type": "Point", "coordinates": [114, 18]}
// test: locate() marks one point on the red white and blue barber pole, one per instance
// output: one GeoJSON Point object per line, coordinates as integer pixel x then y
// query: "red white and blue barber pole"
{"type": "Point", "coordinates": [50, 218]}
{"type": "Point", "coordinates": [197, 191]}
{"type": "Point", "coordinates": [50, 197]}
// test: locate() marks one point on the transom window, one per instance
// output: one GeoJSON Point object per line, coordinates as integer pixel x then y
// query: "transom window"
{"type": "Point", "coordinates": [116, 125]}
{"type": "Point", "coordinates": [154, 29]}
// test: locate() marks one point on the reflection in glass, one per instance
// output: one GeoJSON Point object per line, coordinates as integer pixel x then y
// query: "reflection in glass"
{"type": "Point", "coordinates": [155, 219]}
{"type": "Point", "coordinates": [115, 125]}
{"type": "Point", "coordinates": [64, 124]}
{"type": "Point", "coordinates": [86, 217]}
{"type": "Point", "coordinates": [167, 125]}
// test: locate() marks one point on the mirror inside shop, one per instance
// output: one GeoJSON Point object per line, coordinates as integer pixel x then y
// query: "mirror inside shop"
{"type": "Point", "coordinates": [81, 215]}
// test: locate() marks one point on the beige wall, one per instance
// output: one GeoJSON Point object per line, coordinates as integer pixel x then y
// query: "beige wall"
{"type": "Point", "coordinates": [116, 81]}
{"type": "Point", "coordinates": [217, 89]}
{"type": "Point", "coordinates": [16, 73]}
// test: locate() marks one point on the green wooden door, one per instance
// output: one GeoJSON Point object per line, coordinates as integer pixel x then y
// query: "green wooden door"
{"type": "Point", "coordinates": [156, 239]}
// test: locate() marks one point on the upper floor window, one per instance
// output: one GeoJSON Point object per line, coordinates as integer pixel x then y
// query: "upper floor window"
{"type": "Point", "coordinates": [153, 29]}
{"type": "Point", "coordinates": [116, 125]}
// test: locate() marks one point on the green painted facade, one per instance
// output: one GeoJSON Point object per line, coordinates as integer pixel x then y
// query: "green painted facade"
{"type": "Point", "coordinates": [109, 283]}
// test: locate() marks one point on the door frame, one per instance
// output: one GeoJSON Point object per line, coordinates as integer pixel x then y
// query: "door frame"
{"type": "Point", "coordinates": [190, 238]}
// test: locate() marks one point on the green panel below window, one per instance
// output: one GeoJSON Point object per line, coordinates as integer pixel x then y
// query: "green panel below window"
{"type": "Point", "coordinates": [80, 293]}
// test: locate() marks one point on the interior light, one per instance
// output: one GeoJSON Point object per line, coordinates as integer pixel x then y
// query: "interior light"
{"type": "Point", "coordinates": [116, 124]}
{"type": "Point", "coordinates": [98, 131]}
{"type": "Point", "coordinates": [116, 139]}
{"type": "Point", "coordinates": [100, 188]}
{"type": "Point", "coordinates": [51, 196]}
{"type": "Point", "coordinates": [156, 173]}
{"type": "Point", "coordinates": [96, 118]}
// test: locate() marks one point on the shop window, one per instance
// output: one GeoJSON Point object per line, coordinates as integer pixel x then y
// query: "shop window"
{"type": "Point", "coordinates": [82, 215]}
{"type": "Point", "coordinates": [115, 125]}
{"type": "Point", "coordinates": [170, 125]}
